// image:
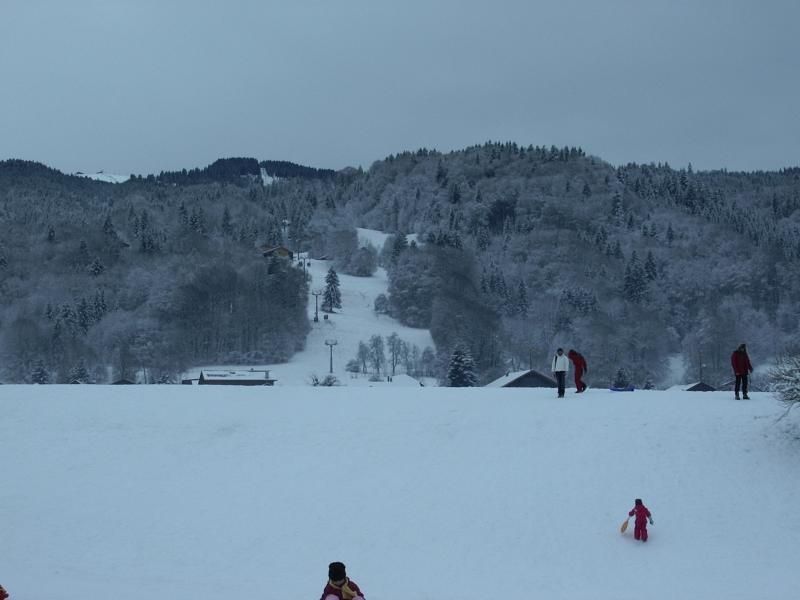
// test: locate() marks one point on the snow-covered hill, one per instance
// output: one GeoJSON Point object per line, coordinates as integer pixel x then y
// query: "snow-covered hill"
{"type": "Point", "coordinates": [107, 177]}
{"type": "Point", "coordinates": [355, 321]}
{"type": "Point", "coordinates": [180, 492]}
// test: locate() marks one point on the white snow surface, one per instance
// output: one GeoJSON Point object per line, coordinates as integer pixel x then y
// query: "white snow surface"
{"type": "Point", "coordinates": [182, 492]}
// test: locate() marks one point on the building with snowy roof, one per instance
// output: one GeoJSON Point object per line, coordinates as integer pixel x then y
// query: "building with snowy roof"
{"type": "Point", "coordinates": [226, 377]}
{"type": "Point", "coordinates": [528, 378]}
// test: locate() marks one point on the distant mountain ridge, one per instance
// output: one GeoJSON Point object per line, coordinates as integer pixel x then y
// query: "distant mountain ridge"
{"type": "Point", "coordinates": [223, 170]}
{"type": "Point", "coordinates": [523, 249]}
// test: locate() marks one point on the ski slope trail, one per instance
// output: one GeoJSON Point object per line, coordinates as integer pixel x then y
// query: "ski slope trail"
{"type": "Point", "coordinates": [356, 321]}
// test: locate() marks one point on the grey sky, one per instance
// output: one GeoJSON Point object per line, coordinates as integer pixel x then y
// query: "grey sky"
{"type": "Point", "coordinates": [148, 85]}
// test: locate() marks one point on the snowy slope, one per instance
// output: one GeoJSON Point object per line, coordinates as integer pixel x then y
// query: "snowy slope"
{"type": "Point", "coordinates": [107, 177]}
{"type": "Point", "coordinates": [355, 321]}
{"type": "Point", "coordinates": [182, 492]}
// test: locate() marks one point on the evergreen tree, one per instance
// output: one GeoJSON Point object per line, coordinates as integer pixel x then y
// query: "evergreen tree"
{"type": "Point", "coordinates": [381, 304]}
{"type": "Point", "coordinates": [617, 252]}
{"type": "Point", "coordinates": [635, 282]}
{"type": "Point", "coordinates": [650, 268]}
{"type": "Point", "coordinates": [99, 307]}
{"type": "Point", "coordinates": [227, 226]}
{"type": "Point", "coordinates": [84, 316]}
{"type": "Point", "coordinates": [79, 373]}
{"type": "Point", "coordinates": [108, 228]}
{"type": "Point", "coordinates": [183, 215]}
{"type": "Point", "coordinates": [83, 254]}
{"type": "Point", "coordinates": [331, 297]}
{"type": "Point", "coordinates": [40, 374]}
{"type": "Point", "coordinates": [427, 361]}
{"type": "Point", "coordinates": [617, 209]}
{"type": "Point", "coordinates": [522, 300]}
{"type": "Point", "coordinates": [96, 268]}
{"type": "Point", "coordinates": [587, 191]}
{"type": "Point", "coordinates": [51, 234]}
{"type": "Point", "coordinates": [399, 245]}
{"type": "Point", "coordinates": [461, 370]}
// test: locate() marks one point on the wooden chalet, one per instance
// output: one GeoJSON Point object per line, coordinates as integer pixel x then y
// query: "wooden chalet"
{"type": "Point", "coordinates": [225, 377]}
{"type": "Point", "coordinates": [280, 251]}
{"type": "Point", "coordinates": [527, 379]}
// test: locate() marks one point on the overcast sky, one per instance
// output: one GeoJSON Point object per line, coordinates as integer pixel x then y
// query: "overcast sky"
{"type": "Point", "coordinates": [148, 85]}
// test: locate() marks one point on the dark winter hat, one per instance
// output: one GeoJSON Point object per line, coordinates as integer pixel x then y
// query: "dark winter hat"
{"type": "Point", "coordinates": [336, 571]}
{"type": "Point", "coordinates": [638, 502]}
{"type": "Point", "coordinates": [742, 347]}
{"type": "Point", "coordinates": [560, 350]}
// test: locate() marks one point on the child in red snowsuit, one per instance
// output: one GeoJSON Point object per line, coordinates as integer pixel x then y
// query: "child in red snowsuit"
{"type": "Point", "coordinates": [642, 516]}
{"type": "Point", "coordinates": [580, 368]}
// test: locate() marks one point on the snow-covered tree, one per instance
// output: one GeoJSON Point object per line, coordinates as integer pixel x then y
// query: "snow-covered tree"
{"type": "Point", "coordinates": [785, 379]}
{"type": "Point", "coordinates": [40, 374]}
{"type": "Point", "coordinates": [363, 356]}
{"type": "Point", "coordinates": [331, 297]}
{"type": "Point", "coordinates": [622, 379]}
{"type": "Point", "coordinates": [381, 304]}
{"type": "Point", "coordinates": [79, 373]}
{"type": "Point", "coordinates": [376, 353]}
{"type": "Point", "coordinates": [461, 370]}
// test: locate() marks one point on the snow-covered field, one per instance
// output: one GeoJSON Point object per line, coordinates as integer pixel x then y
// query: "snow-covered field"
{"type": "Point", "coordinates": [183, 492]}
{"type": "Point", "coordinates": [356, 321]}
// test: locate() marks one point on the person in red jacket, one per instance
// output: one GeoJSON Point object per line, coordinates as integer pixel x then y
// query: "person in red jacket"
{"type": "Point", "coordinates": [339, 586]}
{"type": "Point", "coordinates": [741, 368]}
{"type": "Point", "coordinates": [580, 368]}
{"type": "Point", "coordinates": [640, 523]}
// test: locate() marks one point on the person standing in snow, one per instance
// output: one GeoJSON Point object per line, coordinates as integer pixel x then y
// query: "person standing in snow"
{"type": "Point", "coordinates": [3, 593]}
{"type": "Point", "coordinates": [580, 368]}
{"type": "Point", "coordinates": [339, 586]}
{"type": "Point", "coordinates": [640, 523]}
{"type": "Point", "coordinates": [560, 367]}
{"type": "Point", "coordinates": [741, 369]}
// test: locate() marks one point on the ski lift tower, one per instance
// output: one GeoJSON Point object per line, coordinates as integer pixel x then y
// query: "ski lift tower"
{"type": "Point", "coordinates": [316, 293]}
{"type": "Point", "coordinates": [331, 343]}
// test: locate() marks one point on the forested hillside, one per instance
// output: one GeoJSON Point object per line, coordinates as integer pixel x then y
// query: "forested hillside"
{"type": "Point", "coordinates": [522, 249]}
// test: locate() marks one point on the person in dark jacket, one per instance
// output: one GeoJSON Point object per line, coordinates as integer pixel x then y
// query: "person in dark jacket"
{"type": "Point", "coordinates": [741, 369]}
{"type": "Point", "coordinates": [640, 523]}
{"type": "Point", "coordinates": [580, 368]}
{"type": "Point", "coordinates": [339, 586]}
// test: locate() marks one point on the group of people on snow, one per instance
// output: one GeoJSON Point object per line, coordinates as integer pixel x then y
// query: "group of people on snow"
{"type": "Point", "coordinates": [740, 362]}
{"type": "Point", "coordinates": [561, 366]}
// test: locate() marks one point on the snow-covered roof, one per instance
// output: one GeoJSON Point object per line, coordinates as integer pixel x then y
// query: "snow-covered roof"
{"type": "Point", "coordinates": [506, 379]}
{"type": "Point", "coordinates": [686, 386]}
{"type": "Point", "coordinates": [218, 375]}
